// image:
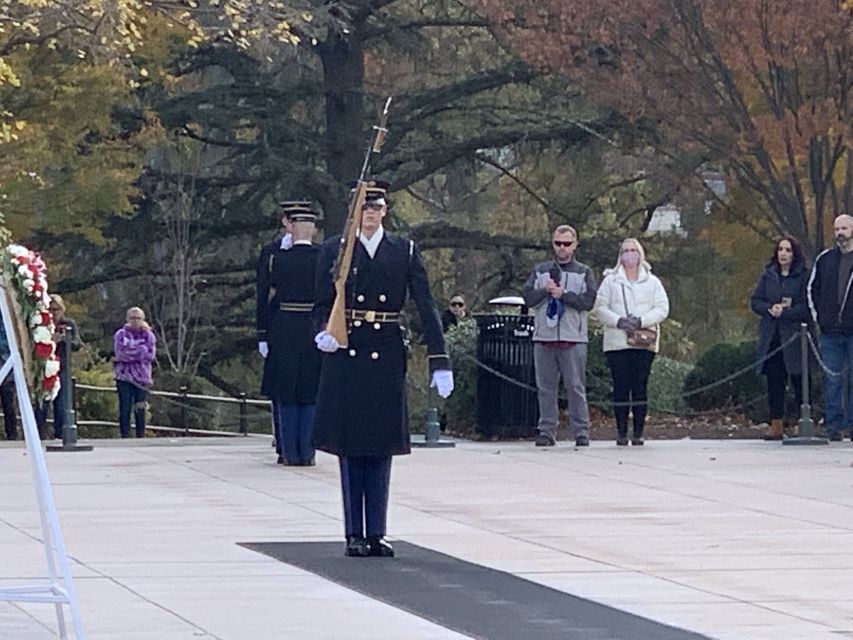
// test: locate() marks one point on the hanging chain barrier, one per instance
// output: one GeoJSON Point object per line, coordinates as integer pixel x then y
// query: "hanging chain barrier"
{"type": "Point", "coordinates": [816, 352]}
{"type": "Point", "coordinates": [607, 404]}
{"type": "Point", "coordinates": [187, 404]}
{"type": "Point", "coordinates": [262, 408]}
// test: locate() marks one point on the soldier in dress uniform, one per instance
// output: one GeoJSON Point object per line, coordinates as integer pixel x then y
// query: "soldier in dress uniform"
{"type": "Point", "coordinates": [361, 403]}
{"type": "Point", "coordinates": [285, 331]}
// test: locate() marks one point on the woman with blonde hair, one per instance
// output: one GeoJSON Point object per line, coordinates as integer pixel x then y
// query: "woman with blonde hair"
{"type": "Point", "coordinates": [631, 303]}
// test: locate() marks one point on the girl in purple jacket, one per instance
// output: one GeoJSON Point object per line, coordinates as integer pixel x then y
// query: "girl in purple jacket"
{"type": "Point", "coordinates": [135, 348]}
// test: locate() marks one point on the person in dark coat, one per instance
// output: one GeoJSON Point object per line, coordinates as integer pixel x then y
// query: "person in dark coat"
{"type": "Point", "coordinates": [361, 405]}
{"type": "Point", "coordinates": [7, 390]}
{"type": "Point", "coordinates": [264, 293]}
{"type": "Point", "coordinates": [455, 312]}
{"type": "Point", "coordinates": [781, 301]}
{"type": "Point", "coordinates": [66, 333]}
{"type": "Point", "coordinates": [831, 303]}
{"type": "Point", "coordinates": [292, 366]}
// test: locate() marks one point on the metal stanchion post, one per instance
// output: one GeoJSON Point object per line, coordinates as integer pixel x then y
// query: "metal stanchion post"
{"type": "Point", "coordinates": [184, 411]}
{"type": "Point", "coordinates": [69, 428]}
{"type": "Point", "coordinates": [244, 428]}
{"type": "Point", "coordinates": [432, 429]}
{"type": "Point", "coordinates": [806, 424]}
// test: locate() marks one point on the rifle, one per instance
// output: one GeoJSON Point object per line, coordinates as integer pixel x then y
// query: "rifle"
{"type": "Point", "coordinates": [337, 325]}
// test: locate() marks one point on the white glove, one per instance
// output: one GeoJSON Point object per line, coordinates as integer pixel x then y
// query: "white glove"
{"type": "Point", "coordinates": [442, 381]}
{"type": "Point", "coordinates": [325, 341]}
{"type": "Point", "coordinates": [287, 241]}
{"type": "Point", "coordinates": [264, 348]}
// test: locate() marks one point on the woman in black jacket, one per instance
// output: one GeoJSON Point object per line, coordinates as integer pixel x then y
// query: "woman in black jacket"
{"type": "Point", "coordinates": [780, 300]}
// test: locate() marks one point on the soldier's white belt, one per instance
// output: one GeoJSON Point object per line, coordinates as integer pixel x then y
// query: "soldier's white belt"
{"type": "Point", "coordinates": [368, 315]}
{"type": "Point", "coordinates": [302, 307]}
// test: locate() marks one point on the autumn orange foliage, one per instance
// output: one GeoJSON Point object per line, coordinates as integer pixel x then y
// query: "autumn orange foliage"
{"type": "Point", "coordinates": [762, 87]}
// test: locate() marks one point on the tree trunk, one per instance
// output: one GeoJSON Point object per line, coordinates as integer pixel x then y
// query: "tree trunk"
{"type": "Point", "coordinates": [342, 56]}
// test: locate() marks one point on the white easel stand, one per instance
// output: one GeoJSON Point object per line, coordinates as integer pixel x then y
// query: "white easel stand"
{"type": "Point", "coordinates": [60, 589]}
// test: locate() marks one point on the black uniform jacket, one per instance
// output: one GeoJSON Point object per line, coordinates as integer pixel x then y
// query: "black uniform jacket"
{"type": "Point", "coordinates": [264, 269]}
{"type": "Point", "coordinates": [292, 367]}
{"type": "Point", "coordinates": [361, 404]}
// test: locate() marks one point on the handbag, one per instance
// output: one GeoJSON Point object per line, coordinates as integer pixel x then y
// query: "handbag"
{"type": "Point", "coordinates": [642, 338]}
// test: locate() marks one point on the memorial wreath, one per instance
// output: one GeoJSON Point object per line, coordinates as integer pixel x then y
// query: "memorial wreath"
{"type": "Point", "coordinates": [26, 274]}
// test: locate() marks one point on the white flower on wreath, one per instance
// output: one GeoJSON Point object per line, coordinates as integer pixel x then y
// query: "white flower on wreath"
{"type": "Point", "coordinates": [42, 334]}
{"type": "Point", "coordinates": [24, 271]}
{"type": "Point", "coordinates": [17, 250]}
{"type": "Point", "coordinates": [51, 368]}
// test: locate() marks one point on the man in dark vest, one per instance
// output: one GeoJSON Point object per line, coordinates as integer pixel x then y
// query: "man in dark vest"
{"type": "Point", "coordinates": [292, 363]}
{"type": "Point", "coordinates": [361, 405]}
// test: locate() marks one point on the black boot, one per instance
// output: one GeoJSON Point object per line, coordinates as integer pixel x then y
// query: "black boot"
{"type": "Point", "coordinates": [639, 419]}
{"type": "Point", "coordinates": [356, 547]}
{"type": "Point", "coordinates": [621, 414]}
{"type": "Point", "coordinates": [380, 547]}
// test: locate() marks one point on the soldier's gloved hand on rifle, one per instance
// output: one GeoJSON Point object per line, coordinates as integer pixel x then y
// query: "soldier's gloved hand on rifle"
{"type": "Point", "coordinates": [629, 324]}
{"type": "Point", "coordinates": [442, 381]}
{"type": "Point", "coordinates": [325, 341]}
{"type": "Point", "coordinates": [263, 348]}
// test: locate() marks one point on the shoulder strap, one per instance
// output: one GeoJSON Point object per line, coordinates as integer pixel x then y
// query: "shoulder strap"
{"type": "Point", "coordinates": [624, 299]}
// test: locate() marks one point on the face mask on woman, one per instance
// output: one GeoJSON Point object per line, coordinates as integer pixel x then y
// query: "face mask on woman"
{"type": "Point", "coordinates": [630, 259]}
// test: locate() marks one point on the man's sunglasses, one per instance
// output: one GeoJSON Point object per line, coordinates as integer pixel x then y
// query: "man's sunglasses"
{"type": "Point", "coordinates": [457, 304]}
{"type": "Point", "coordinates": [560, 243]}
{"type": "Point", "coordinates": [371, 205]}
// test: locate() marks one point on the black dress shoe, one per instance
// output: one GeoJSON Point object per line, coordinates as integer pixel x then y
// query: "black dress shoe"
{"type": "Point", "coordinates": [582, 441]}
{"type": "Point", "coordinates": [379, 547]}
{"type": "Point", "coordinates": [308, 463]}
{"type": "Point", "coordinates": [356, 547]}
{"type": "Point", "coordinates": [637, 441]}
{"type": "Point", "coordinates": [836, 436]}
{"type": "Point", "coordinates": [279, 460]}
{"type": "Point", "coordinates": [622, 441]}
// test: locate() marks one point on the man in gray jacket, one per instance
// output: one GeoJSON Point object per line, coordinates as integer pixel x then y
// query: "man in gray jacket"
{"type": "Point", "coordinates": [561, 292]}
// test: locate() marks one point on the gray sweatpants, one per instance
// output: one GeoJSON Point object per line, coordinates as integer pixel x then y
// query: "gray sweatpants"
{"type": "Point", "coordinates": [571, 363]}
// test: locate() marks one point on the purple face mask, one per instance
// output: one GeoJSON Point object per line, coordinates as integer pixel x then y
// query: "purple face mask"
{"type": "Point", "coordinates": [630, 259]}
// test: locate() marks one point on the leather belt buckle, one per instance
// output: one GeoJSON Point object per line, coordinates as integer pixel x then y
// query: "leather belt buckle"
{"type": "Point", "coordinates": [370, 316]}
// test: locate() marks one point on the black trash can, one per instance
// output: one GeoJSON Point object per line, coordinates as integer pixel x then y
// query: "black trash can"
{"type": "Point", "coordinates": [506, 409]}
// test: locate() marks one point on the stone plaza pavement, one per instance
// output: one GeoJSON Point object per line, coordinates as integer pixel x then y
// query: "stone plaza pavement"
{"type": "Point", "coordinates": [738, 540]}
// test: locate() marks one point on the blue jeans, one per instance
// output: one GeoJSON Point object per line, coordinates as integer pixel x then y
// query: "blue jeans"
{"type": "Point", "coordinates": [837, 354]}
{"type": "Point", "coordinates": [131, 399]}
{"type": "Point", "coordinates": [40, 411]}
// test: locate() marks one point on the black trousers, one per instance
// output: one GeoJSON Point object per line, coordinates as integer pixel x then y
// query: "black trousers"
{"type": "Point", "coordinates": [630, 369]}
{"type": "Point", "coordinates": [364, 484]}
{"type": "Point", "coordinates": [7, 398]}
{"type": "Point", "coordinates": [777, 379]}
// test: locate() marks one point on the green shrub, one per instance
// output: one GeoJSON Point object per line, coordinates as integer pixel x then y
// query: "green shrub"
{"type": "Point", "coordinates": [96, 405]}
{"type": "Point", "coordinates": [719, 362]}
{"type": "Point", "coordinates": [666, 385]}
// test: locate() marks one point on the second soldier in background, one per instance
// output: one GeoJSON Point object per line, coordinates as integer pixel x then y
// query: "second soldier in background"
{"type": "Point", "coordinates": [292, 365]}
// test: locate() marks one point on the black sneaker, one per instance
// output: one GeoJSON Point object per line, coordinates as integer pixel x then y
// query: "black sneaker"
{"type": "Point", "coordinates": [836, 436]}
{"type": "Point", "coordinates": [545, 440]}
{"type": "Point", "coordinates": [582, 441]}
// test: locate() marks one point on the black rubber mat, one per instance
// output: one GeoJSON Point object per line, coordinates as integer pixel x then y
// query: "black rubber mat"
{"type": "Point", "coordinates": [469, 598]}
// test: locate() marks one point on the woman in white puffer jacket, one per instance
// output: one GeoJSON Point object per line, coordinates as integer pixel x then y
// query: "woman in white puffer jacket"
{"type": "Point", "coordinates": [630, 298]}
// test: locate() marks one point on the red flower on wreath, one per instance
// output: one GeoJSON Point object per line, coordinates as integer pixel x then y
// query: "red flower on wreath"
{"type": "Point", "coordinates": [43, 350]}
{"type": "Point", "coordinates": [49, 383]}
